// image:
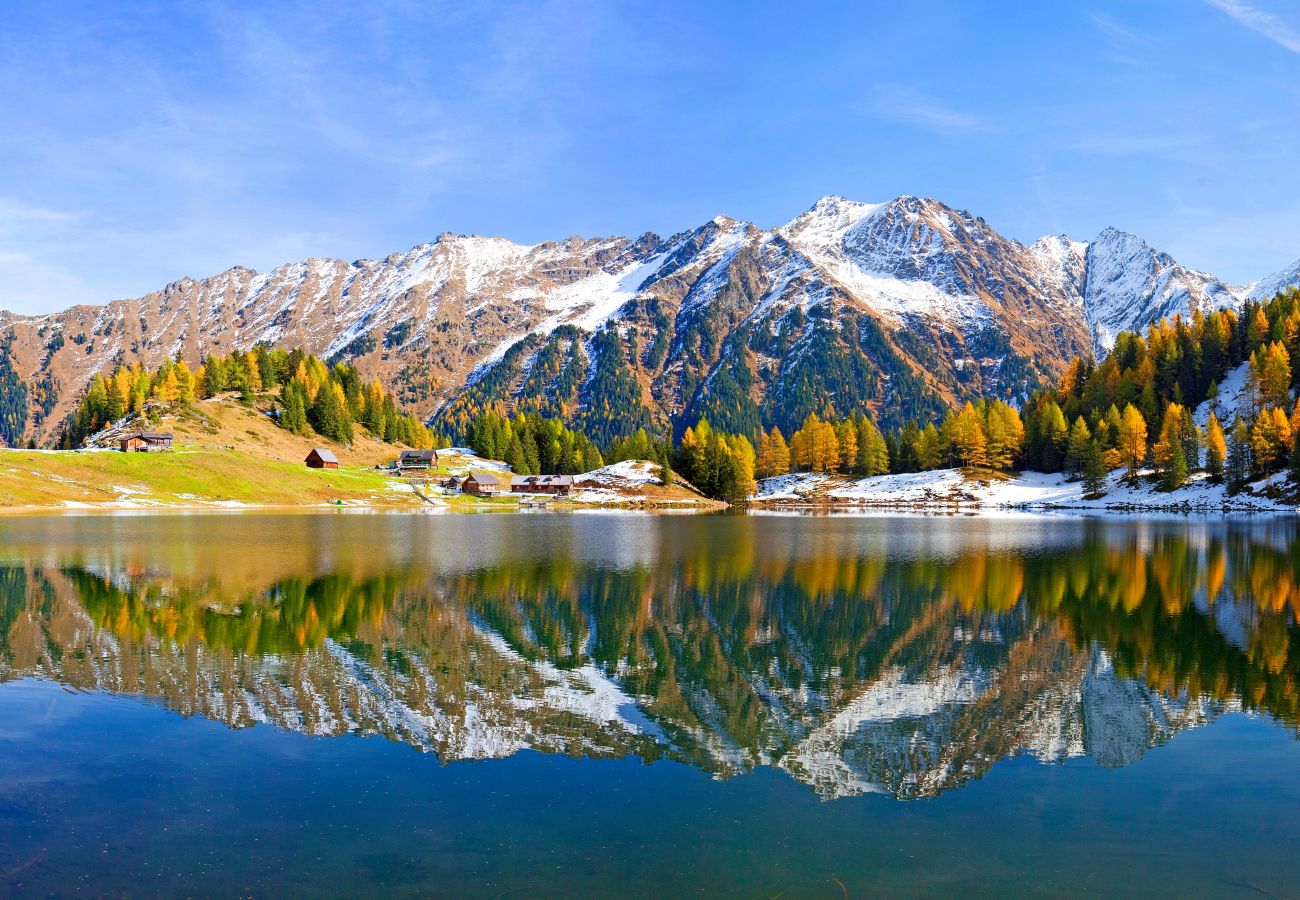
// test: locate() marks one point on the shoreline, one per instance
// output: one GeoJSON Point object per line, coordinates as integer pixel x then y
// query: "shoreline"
{"type": "Point", "coordinates": [436, 508]}
{"type": "Point", "coordinates": [965, 509]}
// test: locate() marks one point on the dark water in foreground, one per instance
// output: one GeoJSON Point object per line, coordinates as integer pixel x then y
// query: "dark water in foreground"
{"type": "Point", "coordinates": [639, 705]}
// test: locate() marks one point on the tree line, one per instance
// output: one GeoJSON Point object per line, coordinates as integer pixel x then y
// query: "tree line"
{"type": "Point", "coordinates": [531, 444]}
{"type": "Point", "coordinates": [986, 434]}
{"type": "Point", "coordinates": [719, 464]}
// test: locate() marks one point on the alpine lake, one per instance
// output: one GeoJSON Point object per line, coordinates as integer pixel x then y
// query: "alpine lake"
{"type": "Point", "coordinates": [621, 704]}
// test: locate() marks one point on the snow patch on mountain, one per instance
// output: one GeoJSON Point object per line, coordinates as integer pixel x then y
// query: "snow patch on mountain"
{"type": "Point", "coordinates": [586, 304]}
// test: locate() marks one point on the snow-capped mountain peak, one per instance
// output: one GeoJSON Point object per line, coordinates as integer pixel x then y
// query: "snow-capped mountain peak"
{"type": "Point", "coordinates": [1129, 284]}
{"type": "Point", "coordinates": [823, 226]}
{"type": "Point", "coordinates": [1064, 260]}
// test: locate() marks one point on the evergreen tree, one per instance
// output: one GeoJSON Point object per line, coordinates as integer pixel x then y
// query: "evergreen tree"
{"type": "Point", "coordinates": [329, 415]}
{"type": "Point", "coordinates": [1112, 420]}
{"type": "Point", "coordinates": [293, 417]}
{"type": "Point", "coordinates": [591, 458]}
{"type": "Point", "coordinates": [515, 457]}
{"type": "Point", "coordinates": [1240, 463]}
{"type": "Point", "coordinates": [903, 455]}
{"type": "Point", "coordinates": [1077, 447]}
{"type": "Point", "coordinates": [1050, 437]}
{"type": "Point", "coordinates": [1191, 438]}
{"type": "Point", "coordinates": [873, 454]}
{"type": "Point", "coordinates": [1094, 471]}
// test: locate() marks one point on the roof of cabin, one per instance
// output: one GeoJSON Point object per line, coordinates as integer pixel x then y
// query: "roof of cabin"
{"type": "Point", "coordinates": [560, 480]}
{"type": "Point", "coordinates": [323, 455]}
{"type": "Point", "coordinates": [487, 478]}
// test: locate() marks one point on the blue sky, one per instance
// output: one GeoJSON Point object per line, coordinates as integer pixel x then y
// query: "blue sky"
{"type": "Point", "coordinates": [144, 142]}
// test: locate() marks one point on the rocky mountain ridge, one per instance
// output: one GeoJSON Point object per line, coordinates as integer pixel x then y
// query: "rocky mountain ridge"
{"type": "Point", "coordinates": [898, 307]}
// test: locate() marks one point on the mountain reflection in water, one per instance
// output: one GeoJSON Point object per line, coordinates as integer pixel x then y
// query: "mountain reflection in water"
{"type": "Point", "coordinates": [898, 655]}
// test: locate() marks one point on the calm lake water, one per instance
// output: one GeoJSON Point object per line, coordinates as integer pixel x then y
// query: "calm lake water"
{"type": "Point", "coordinates": [626, 705]}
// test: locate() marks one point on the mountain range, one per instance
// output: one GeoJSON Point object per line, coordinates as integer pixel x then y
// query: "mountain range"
{"type": "Point", "coordinates": [900, 308]}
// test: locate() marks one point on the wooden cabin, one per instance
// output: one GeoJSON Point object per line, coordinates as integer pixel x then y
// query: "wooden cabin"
{"type": "Point", "coordinates": [485, 484]}
{"type": "Point", "coordinates": [416, 460]}
{"type": "Point", "coordinates": [320, 458]}
{"type": "Point", "coordinates": [552, 485]}
{"type": "Point", "coordinates": [146, 442]}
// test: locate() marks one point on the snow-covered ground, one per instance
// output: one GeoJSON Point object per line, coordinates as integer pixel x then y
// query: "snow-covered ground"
{"type": "Point", "coordinates": [918, 487]}
{"type": "Point", "coordinates": [461, 460]}
{"type": "Point", "coordinates": [620, 482]}
{"type": "Point", "coordinates": [1234, 399]}
{"type": "Point", "coordinates": [948, 488]}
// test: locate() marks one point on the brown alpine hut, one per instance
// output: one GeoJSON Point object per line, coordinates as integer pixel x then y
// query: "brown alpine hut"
{"type": "Point", "coordinates": [485, 484]}
{"type": "Point", "coordinates": [554, 485]}
{"type": "Point", "coordinates": [320, 458]}
{"type": "Point", "coordinates": [146, 442]}
{"type": "Point", "coordinates": [416, 460]}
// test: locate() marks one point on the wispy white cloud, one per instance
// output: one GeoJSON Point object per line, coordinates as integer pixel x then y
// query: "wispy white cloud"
{"type": "Point", "coordinates": [1261, 21]}
{"type": "Point", "coordinates": [17, 215]}
{"type": "Point", "coordinates": [904, 103]}
{"type": "Point", "coordinates": [1117, 33]}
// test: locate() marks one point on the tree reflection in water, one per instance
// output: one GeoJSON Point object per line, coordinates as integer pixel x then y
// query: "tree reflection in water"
{"type": "Point", "coordinates": [905, 656]}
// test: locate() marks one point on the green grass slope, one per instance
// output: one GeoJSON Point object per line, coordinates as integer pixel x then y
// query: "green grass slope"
{"type": "Point", "coordinates": [188, 476]}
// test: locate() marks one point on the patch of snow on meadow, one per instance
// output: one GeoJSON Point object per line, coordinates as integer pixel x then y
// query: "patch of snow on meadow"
{"type": "Point", "coordinates": [461, 460]}
{"type": "Point", "coordinates": [622, 474]}
{"type": "Point", "coordinates": [1027, 490]}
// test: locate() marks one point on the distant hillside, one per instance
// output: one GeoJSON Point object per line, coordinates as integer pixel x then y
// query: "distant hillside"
{"type": "Point", "coordinates": [298, 391]}
{"type": "Point", "coordinates": [898, 308]}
